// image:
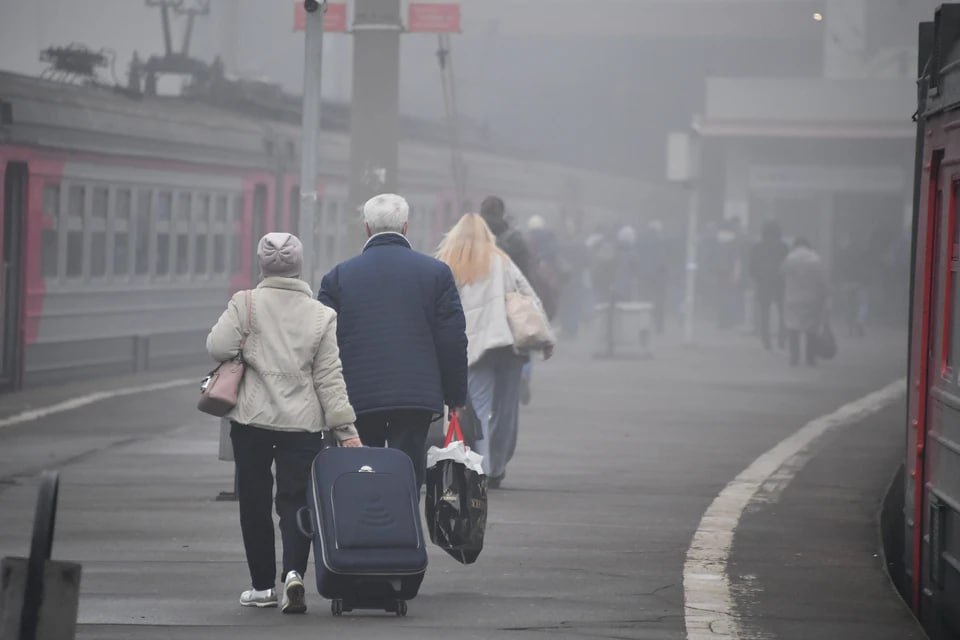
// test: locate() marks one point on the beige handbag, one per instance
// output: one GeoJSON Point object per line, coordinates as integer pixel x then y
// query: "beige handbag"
{"type": "Point", "coordinates": [220, 390]}
{"type": "Point", "coordinates": [528, 323]}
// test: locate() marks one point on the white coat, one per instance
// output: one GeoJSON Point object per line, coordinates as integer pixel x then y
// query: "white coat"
{"type": "Point", "coordinates": [805, 290]}
{"type": "Point", "coordinates": [485, 309]}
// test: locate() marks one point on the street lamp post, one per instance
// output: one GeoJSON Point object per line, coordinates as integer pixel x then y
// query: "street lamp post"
{"type": "Point", "coordinates": [310, 144]}
{"type": "Point", "coordinates": [683, 166]}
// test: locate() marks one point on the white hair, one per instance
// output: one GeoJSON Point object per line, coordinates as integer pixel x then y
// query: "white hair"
{"type": "Point", "coordinates": [385, 213]}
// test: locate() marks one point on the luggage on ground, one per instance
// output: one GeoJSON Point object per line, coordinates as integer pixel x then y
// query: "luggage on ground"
{"type": "Point", "coordinates": [456, 502]}
{"type": "Point", "coordinates": [362, 513]}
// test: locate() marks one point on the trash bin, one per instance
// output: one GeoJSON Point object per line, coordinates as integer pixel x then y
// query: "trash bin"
{"type": "Point", "coordinates": [623, 329]}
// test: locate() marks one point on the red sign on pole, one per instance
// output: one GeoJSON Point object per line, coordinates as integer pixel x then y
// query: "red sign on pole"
{"type": "Point", "coordinates": [433, 17]}
{"type": "Point", "coordinates": [335, 20]}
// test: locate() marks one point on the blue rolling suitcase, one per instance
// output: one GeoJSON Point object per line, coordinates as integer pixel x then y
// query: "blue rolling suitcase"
{"type": "Point", "coordinates": [362, 513]}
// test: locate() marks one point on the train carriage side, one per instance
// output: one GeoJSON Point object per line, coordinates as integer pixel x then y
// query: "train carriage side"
{"type": "Point", "coordinates": [932, 506]}
{"type": "Point", "coordinates": [138, 220]}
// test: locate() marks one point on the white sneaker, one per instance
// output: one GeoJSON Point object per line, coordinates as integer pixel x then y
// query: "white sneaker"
{"type": "Point", "coordinates": [262, 599]}
{"type": "Point", "coordinates": [294, 595]}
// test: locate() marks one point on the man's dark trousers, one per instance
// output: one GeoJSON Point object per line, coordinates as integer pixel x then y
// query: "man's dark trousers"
{"type": "Point", "coordinates": [402, 429]}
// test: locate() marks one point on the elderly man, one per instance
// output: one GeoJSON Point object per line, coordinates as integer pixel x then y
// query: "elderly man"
{"type": "Point", "coordinates": [401, 331]}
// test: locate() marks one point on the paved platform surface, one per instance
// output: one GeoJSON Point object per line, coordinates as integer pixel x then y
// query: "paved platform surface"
{"type": "Point", "coordinates": [616, 464]}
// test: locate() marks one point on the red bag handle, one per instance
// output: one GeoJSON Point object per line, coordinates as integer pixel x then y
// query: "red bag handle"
{"type": "Point", "coordinates": [453, 430]}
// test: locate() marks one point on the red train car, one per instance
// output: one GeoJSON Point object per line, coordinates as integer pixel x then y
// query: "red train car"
{"type": "Point", "coordinates": [128, 219]}
{"type": "Point", "coordinates": [932, 504]}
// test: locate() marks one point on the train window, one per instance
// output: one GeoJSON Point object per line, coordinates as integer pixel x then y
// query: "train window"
{"type": "Point", "coordinates": [182, 230]}
{"type": "Point", "coordinates": [332, 228]}
{"type": "Point", "coordinates": [295, 210]}
{"type": "Point", "coordinates": [201, 230]}
{"type": "Point", "coordinates": [98, 232]}
{"type": "Point", "coordinates": [236, 243]}
{"type": "Point", "coordinates": [121, 232]}
{"type": "Point", "coordinates": [49, 244]}
{"type": "Point", "coordinates": [220, 236]}
{"type": "Point", "coordinates": [76, 205]}
{"type": "Point", "coordinates": [164, 212]}
{"type": "Point", "coordinates": [447, 214]}
{"type": "Point", "coordinates": [143, 216]}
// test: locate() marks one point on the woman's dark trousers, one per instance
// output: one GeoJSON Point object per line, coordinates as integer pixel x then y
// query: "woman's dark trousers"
{"type": "Point", "coordinates": [256, 450]}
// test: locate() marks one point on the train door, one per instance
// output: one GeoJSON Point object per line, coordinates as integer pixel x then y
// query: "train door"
{"type": "Point", "coordinates": [11, 270]}
{"type": "Point", "coordinates": [929, 365]}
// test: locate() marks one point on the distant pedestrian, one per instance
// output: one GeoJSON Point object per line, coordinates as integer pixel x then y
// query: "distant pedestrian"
{"type": "Point", "coordinates": [509, 239]}
{"type": "Point", "coordinates": [653, 271]}
{"type": "Point", "coordinates": [766, 260]}
{"type": "Point", "coordinates": [401, 333]}
{"type": "Point", "coordinates": [292, 391]}
{"type": "Point", "coordinates": [805, 299]}
{"type": "Point", "coordinates": [484, 275]}
{"type": "Point", "coordinates": [726, 270]}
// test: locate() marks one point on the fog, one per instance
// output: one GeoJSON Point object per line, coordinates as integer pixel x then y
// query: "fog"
{"type": "Point", "coordinates": [672, 243]}
{"type": "Point", "coordinates": [802, 110]}
{"type": "Point", "coordinates": [600, 94]}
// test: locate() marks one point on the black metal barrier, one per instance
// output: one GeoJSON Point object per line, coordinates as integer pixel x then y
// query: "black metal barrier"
{"type": "Point", "coordinates": [39, 597]}
{"type": "Point", "coordinates": [44, 523]}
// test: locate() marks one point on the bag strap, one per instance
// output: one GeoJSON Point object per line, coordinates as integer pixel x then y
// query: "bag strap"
{"type": "Point", "coordinates": [453, 430]}
{"type": "Point", "coordinates": [248, 299]}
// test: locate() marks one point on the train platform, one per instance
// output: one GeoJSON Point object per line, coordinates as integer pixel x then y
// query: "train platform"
{"type": "Point", "coordinates": [603, 528]}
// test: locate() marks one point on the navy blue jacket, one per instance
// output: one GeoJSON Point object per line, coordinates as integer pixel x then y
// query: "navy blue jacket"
{"type": "Point", "coordinates": [400, 327]}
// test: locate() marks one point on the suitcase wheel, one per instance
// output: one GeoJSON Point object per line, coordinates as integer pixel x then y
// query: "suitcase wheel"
{"type": "Point", "coordinates": [401, 609]}
{"type": "Point", "coordinates": [336, 607]}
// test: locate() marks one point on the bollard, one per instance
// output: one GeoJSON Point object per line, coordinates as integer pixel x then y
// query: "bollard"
{"type": "Point", "coordinates": [38, 596]}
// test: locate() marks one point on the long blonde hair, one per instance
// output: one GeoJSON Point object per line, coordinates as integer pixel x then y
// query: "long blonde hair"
{"type": "Point", "coordinates": [468, 249]}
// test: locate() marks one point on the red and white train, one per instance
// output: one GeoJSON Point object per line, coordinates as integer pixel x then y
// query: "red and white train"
{"type": "Point", "coordinates": [128, 220]}
{"type": "Point", "coordinates": [932, 500]}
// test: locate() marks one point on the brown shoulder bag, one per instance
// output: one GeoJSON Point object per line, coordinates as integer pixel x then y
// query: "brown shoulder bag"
{"type": "Point", "coordinates": [220, 390]}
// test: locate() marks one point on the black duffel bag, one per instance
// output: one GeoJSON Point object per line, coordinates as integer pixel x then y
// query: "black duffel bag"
{"type": "Point", "coordinates": [456, 504]}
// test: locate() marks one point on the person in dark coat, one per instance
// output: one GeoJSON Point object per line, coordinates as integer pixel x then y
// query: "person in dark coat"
{"type": "Point", "coordinates": [765, 261]}
{"type": "Point", "coordinates": [401, 331]}
{"type": "Point", "coordinates": [509, 239]}
{"type": "Point", "coordinates": [805, 299]}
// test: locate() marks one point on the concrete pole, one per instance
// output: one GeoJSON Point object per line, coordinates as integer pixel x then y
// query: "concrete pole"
{"type": "Point", "coordinates": [374, 110]}
{"type": "Point", "coordinates": [693, 185]}
{"type": "Point", "coordinates": [310, 143]}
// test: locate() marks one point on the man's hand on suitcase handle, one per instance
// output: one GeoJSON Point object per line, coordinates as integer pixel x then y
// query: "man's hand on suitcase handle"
{"type": "Point", "coordinates": [351, 443]}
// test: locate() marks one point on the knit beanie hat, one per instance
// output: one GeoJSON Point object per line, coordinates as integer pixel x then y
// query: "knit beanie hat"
{"type": "Point", "coordinates": [281, 255]}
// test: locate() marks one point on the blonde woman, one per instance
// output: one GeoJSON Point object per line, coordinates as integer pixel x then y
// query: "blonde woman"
{"type": "Point", "coordinates": [484, 275]}
{"type": "Point", "coordinates": [292, 391]}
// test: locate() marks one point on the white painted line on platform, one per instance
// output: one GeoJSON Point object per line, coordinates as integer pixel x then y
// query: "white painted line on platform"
{"type": "Point", "coordinates": [709, 612]}
{"type": "Point", "coordinates": [82, 401]}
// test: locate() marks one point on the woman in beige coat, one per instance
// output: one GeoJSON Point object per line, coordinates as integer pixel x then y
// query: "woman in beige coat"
{"type": "Point", "coordinates": [292, 391]}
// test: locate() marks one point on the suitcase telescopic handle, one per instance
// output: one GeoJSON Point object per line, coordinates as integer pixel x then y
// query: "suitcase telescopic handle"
{"type": "Point", "coordinates": [305, 521]}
